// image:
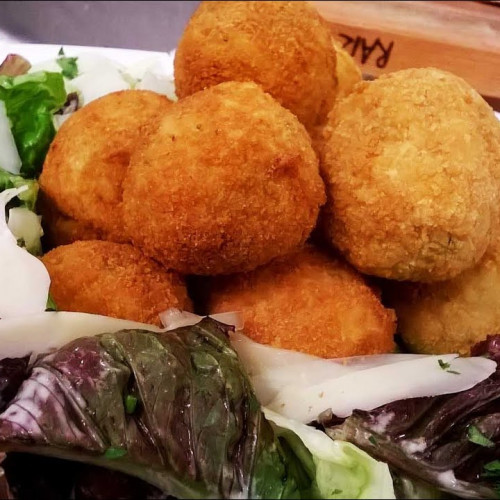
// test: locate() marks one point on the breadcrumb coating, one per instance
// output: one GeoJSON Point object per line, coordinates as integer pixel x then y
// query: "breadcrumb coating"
{"type": "Point", "coordinates": [228, 182]}
{"type": "Point", "coordinates": [411, 164]}
{"type": "Point", "coordinates": [310, 302]}
{"type": "Point", "coordinates": [112, 279]}
{"type": "Point", "coordinates": [453, 315]}
{"type": "Point", "coordinates": [86, 163]}
{"type": "Point", "coordinates": [60, 229]}
{"type": "Point", "coordinates": [283, 46]}
{"type": "Point", "coordinates": [347, 71]}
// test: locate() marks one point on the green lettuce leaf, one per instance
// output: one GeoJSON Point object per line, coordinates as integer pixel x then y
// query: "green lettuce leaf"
{"type": "Point", "coordinates": [337, 469]}
{"type": "Point", "coordinates": [30, 101]}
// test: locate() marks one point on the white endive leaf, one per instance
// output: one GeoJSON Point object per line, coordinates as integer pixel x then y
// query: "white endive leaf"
{"type": "Point", "coordinates": [301, 386]}
{"type": "Point", "coordinates": [370, 388]}
{"type": "Point", "coordinates": [39, 333]}
{"type": "Point", "coordinates": [24, 280]}
{"type": "Point", "coordinates": [97, 83]}
{"type": "Point", "coordinates": [26, 225]}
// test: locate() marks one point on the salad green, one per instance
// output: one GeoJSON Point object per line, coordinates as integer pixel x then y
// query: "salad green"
{"type": "Point", "coordinates": [196, 429]}
{"type": "Point", "coordinates": [68, 65]}
{"type": "Point", "coordinates": [449, 441]}
{"type": "Point", "coordinates": [31, 101]}
{"type": "Point", "coordinates": [27, 198]}
{"type": "Point", "coordinates": [25, 280]}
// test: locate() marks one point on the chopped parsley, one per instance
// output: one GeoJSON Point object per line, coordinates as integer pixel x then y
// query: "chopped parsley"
{"type": "Point", "coordinates": [67, 64]}
{"type": "Point", "coordinates": [336, 491]}
{"type": "Point", "coordinates": [372, 440]}
{"type": "Point", "coordinates": [130, 404]}
{"type": "Point", "coordinates": [443, 365]}
{"type": "Point", "coordinates": [477, 437]}
{"type": "Point", "coordinates": [113, 453]}
{"type": "Point", "coordinates": [51, 305]}
{"type": "Point", "coordinates": [492, 469]}
{"type": "Point", "coordinates": [446, 367]}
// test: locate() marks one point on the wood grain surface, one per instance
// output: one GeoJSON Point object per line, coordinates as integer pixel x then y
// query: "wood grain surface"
{"type": "Point", "coordinates": [461, 37]}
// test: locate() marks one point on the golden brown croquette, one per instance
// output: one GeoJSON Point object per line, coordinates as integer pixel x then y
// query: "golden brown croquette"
{"type": "Point", "coordinates": [310, 302]}
{"type": "Point", "coordinates": [453, 315]}
{"type": "Point", "coordinates": [112, 279]}
{"type": "Point", "coordinates": [283, 46]}
{"type": "Point", "coordinates": [228, 182]}
{"type": "Point", "coordinates": [84, 168]}
{"type": "Point", "coordinates": [410, 172]}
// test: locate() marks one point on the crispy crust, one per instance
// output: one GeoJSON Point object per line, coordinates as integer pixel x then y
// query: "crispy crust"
{"type": "Point", "coordinates": [411, 165]}
{"type": "Point", "coordinates": [84, 168]}
{"type": "Point", "coordinates": [284, 46]}
{"type": "Point", "coordinates": [453, 315]}
{"type": "Point", "coordinates": [62, 230]}
{"type": "Point", "coordinates": [348, 72]}
{"type": "Point", "coordinates": [112, 279]}
{"type": "Point", "coordinates": [228, 182]}
{"type": "Point", "coordinates": [309, 302]}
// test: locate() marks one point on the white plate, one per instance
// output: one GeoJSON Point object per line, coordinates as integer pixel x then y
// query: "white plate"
{"type": "Point", "coordinates": [37, 53]}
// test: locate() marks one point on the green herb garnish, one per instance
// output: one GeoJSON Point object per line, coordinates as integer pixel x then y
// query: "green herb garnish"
{"type": "Point", "coordinates": [51, 305]}
{"type": "Point", "coordinates": [492, 466]}
{"type": "Point", "coordinates": [477, 437]}
{"type": "Point", "coordinates": [67, 64]}
{"type": "Point", "coordinates": [372, 440]}
{"type": "Point", "coordinates": [492, 469]}
{"type": "Point", "coordinates": [113, 453]}
{"type": "Point", "coordinates": [130, 404]}
{"type": "Point", "coordinates": [446, 367]}
{"type": "Point", "coordinates": [443, 365]}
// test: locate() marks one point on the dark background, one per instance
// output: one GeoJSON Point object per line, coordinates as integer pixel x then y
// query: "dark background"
{"type": "Point", "coordinates": [133, 25]}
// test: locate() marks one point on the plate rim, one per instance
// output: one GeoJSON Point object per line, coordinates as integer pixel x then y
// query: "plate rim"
{"type": "Point", "coordinates": [40, 52]}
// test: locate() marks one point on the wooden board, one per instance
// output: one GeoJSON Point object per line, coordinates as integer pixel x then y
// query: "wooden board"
{"type": "Point", "coordinates": [461, 37]}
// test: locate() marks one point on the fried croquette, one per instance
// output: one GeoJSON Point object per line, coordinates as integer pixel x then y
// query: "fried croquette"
{"type": "Point", "coordinates": [112, 279]}
{"type": "Point", "coordinates": [450, 316]}
{"type": "Point", "coordinates": [347, 71]}
{"type": "Point", "coordinates": [84, 168]}
{"type": "Point", "coordinates": [59, 229]}
{"type": "Point", "coordinates": [410, 166]}
{"type": "Point", "coordinates": [348, 74]}
{"type": "Point", "coordinates": [228, 182]}
{"type": "Point", "coordinates": [310, 302]}
{"type": "Point", "coordinates": [285, 47]}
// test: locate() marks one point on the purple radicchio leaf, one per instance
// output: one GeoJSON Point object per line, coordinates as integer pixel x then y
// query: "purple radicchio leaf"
{"type": "Point", "coordinates": [447, 441]}
{"type": "Point", "coordinates": [175, 410]}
